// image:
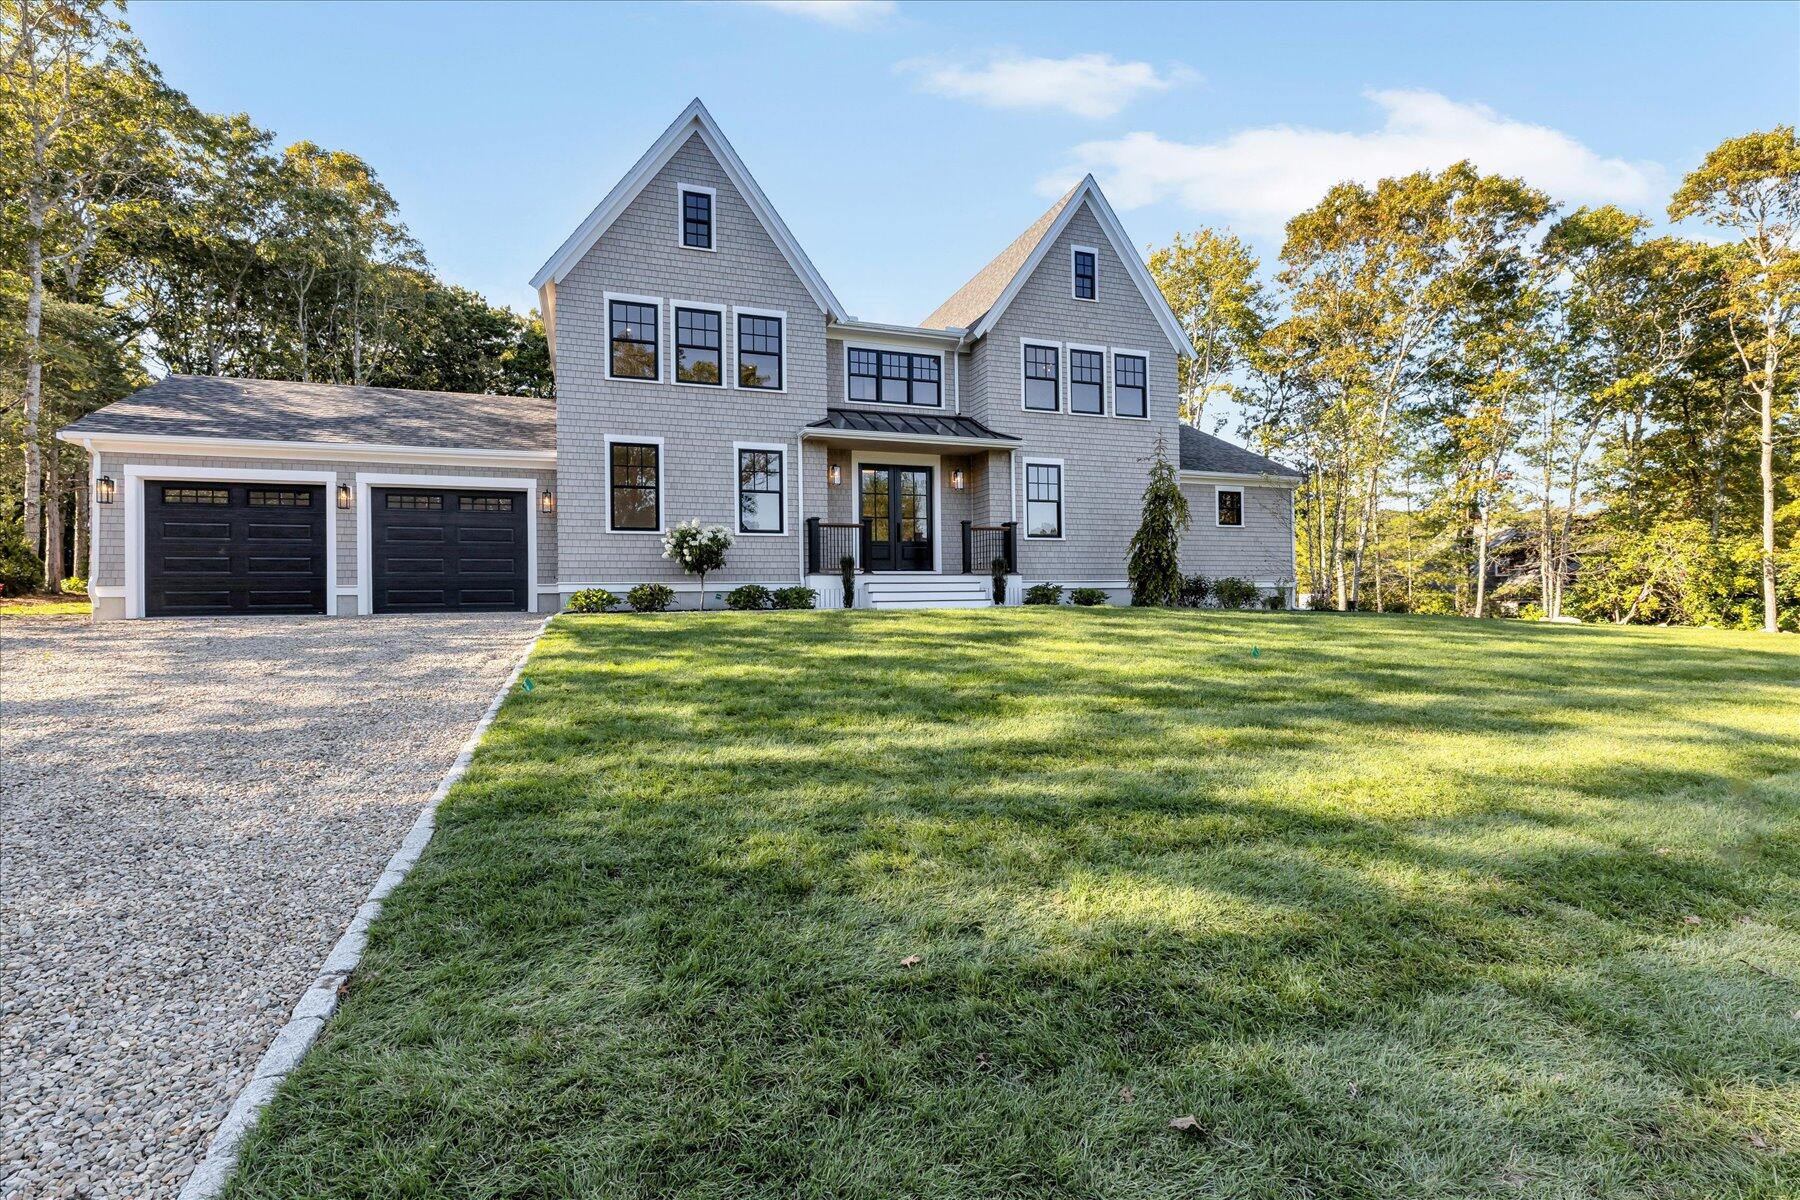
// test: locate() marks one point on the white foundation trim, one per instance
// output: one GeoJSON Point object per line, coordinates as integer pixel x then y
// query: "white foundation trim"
{"type": "Point", "coordinates": [365, 550]}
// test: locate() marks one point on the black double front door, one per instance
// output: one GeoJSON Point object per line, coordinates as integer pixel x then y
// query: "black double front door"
{"type": "Point", "coordinates": [896, 504]}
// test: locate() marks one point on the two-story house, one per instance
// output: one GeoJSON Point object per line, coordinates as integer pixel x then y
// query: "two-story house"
{"type": "Point", "coordinates": [704, 370]}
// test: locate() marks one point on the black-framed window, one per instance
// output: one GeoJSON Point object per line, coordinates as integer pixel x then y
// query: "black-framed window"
{"type": "Point", "coordinates": [486, 504]}
{"type": "Point", "coordinates": [634, 478]}
{"type": "Point", "coordinates": [193, 495]}
{"type": "Point", "coordinates": [1131, 380]}
{"type": "Point", "coordinates": [1043, 500]}
{"type": "Point", "coordinates": [760, 507]}
{"type": "Point", "coordinates": [413, 502]}
{"type": "Point", "coordinates": [1231, 507]}
{"type": "Point", "coordinates": [634, 340]}
{"type": "Point", "coordinates": [1085, 287]}
{"type": "Point", "coordinates": [759, 352]}
{"type": "Point", "coordinates": [1087, 381]}
{"type": "Point", "coordinates": [264, 498]}
{"type": "Point", "coordinates": [697, 219]}
{"type": "Point", "coordinates": [890, 377]}
{"type": "Point", "coordinates": [699, 347]}
{"type": "Point", "coordinates": [1041, 371]}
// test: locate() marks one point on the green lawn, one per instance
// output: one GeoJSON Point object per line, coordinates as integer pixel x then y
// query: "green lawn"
{"type": "Point", "coordinates": [44, 606]}
{"type": "Point", "coordinates": [1394, 907]}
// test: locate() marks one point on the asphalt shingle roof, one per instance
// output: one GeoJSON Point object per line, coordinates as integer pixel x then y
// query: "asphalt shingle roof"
{"type": "Point", "coordinates": [1203, 452]}
{"type": "Point", "coordinates": [905, 424]}
{"type": "Point", "coordinates": [280, 411]}
{"type": "Point", "coordinates": [973, 299]}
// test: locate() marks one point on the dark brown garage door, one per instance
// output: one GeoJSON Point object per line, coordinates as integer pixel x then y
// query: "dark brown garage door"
{"type": "Point", "coordinates": [449, 549]}
{"type": "Point", "coordinates": [215, 549]}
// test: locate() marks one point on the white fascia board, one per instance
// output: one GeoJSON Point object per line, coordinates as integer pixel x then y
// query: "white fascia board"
{"type": "Point", "coordinates": [908, 439]}
{"type": "Point", "coordinates": [1240, 478]}
{"type": "Point", "coordinates": [693, 119]}
{"type": "Point", "coordinates": [157, 443]}
{"type": "Point", "coordinates": [877, 329]}
{"type": "Point", "coordinates": [1115, 234]}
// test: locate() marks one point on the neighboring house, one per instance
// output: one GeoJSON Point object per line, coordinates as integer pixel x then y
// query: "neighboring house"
{"type": "Point", "coordinates": [704, 370]}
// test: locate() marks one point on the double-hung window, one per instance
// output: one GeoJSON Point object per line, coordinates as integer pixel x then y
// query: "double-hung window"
{"type": "Point", "coordinates": [634, 340]}
{"type": "Point", "coordinates": [1087, 381]}
{"type": "Point", "coordinates": [1043, 500]}
{"type": "Point", "coordinates": [697, 218]}
{"type": "Point", "coordinates": [1231, 507]}
{"type": "Point", "coordinates": [699, 347]}
{"type": "Point", "coordinates": [759, 491]}
{"type": "Point", "coordinates": [1041, 380]}
{"type": "Point", "coordinates": [1131, 397]}
{"type": "Point", "coordinates": [759, 352]}
{"type": "Point", "coordinates": [1086, 286]}
{"type": "Point", "coordinates": [895, 377]}
{"type": "Point", "coordinates": [634, 477]}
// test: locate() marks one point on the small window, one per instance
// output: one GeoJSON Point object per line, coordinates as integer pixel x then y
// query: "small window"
{"type": "Point", "coordinates": [488, 504]}
{"type": "Point", "coordinates": [1041, 378]}
{"type": "Point", "coordinates": [1087, 381]}
{"type": "Point", "coordinates": [1084, 275]}
{"type": "Point", "coordinates": [634, 338]}
{"type": "Point", "coordinates": [697, 219]}
{"type": "Point", "coordinates": [415, 502]}
{"type": "Point", "coordinates": [1231, 507]}
{"type": "Point", "coordinates": [262, 498]}
{"type": "Point", "coordinates": [759, 491]}
{"type": "Point", "coordinates": [635, 480]}
{"type": "Point", "coordinates": [1130, 386]}
{"type": "Point", "coordinates": [698, 342]}
{"type": "Point", "coordinates": [865, 375]}
{"type": "Point", "coordinates": [759, 352]}
{"type": "Point", "coordinates": [1043, 500]}
{"type": "Point", "coordinates": [192, 495]}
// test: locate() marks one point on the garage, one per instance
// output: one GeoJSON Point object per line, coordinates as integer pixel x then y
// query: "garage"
{"type": "Point", "coordinates": [217, 549]}
{"type": "Point", "coordinates": [449, 549]}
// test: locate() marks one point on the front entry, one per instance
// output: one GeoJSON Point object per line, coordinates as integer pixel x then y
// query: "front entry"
{"type": "Point", "coordinates": [896, 502]}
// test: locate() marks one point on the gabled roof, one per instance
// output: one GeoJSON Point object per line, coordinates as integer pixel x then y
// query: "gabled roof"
{"type": "Point", "coordinates": [979, 303]}
{"type": "Point", "coordinates": [694, 119]}
{"type": "Point", "coordinates": [273, 410]}
{"type": "Point", "coordinates": [1205, 453]}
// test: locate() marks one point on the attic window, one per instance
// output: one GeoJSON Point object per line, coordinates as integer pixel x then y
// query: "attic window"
{"type": "Point", "coordinates": [1086, 288]}
{"type": "Point", "coordinates": [697, 218]}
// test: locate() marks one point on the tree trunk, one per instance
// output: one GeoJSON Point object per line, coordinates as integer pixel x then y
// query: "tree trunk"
{"type": "Point", "coordinates": [82, 500]}
{"type": "Point", "coordinates": [1767, 441]}
{"type": "Point", "coordinates": [1481, 560]}
{"type": "Point", "coordinates": [55, 561]}
{"type": "Point", "coordinates": [34, 370]}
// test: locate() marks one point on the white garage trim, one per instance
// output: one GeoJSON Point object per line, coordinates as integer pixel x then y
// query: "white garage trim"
{"type": "Point", "coordinates": [134, 518]}
{"type": "Point", "coordinates": [365, 574]}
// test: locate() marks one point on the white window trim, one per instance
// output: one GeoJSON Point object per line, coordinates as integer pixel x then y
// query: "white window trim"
{"type": "Point", "coordinates": [681, 217]}
{"type": "Point", "coordinates": [1062, 372]}
{"type": "Point", "coordinates": [786, 363]}
{"type": "Point", "coordinates": [1112, 381]}
{"type": "Point", "coordinates": [1243, 512]}
{"type": "Point", "coordinates": [787, 460]}
{"type": "Point", "coordinates": [1062, 507]}
{"type": "Point", "coordinates": [1105, 367]}
{"type": "Point", "coordinates": [135, 512]}
{"type": "Point", "coordinates": [1073, 251]}
{"type": "Point", "coordinates": [662, 355]}
{"type": "Point", "coordinates": [726, 326]}
{"type": "Point", "coordinates": [895, 348]}
{"type": "Point", "coordinates": [367, 481]}
{"type": "Point", "coordinates": [662, 482]}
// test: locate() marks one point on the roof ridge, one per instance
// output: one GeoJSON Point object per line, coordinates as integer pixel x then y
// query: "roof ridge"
{"type": "Point", "coordinates": [960, 311]}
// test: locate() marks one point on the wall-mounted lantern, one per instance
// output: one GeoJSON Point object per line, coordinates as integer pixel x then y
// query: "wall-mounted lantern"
{"type": "Point", "coordinates": [105, 489]}
{"type": "Point", "coordinates": [956, 479]}
{"type": "Point", "coordinates": [835, 473]}
{"type": "Point", "coordinates": [343, 495]}
{"type": "Point", "coordinates": [547, 503]}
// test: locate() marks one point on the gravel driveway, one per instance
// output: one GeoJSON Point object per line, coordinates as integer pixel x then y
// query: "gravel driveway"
{"type": "Point", "coordinates": [190, 813]}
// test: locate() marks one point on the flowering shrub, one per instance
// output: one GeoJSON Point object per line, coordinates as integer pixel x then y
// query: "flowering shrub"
{"type": "Point", "coordinates": [697, 550]}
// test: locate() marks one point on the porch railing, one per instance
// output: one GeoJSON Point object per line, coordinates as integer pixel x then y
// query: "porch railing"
{"type": "Point", "coordinates": [828, 543]}
{"type": "Point", "coordinates": [982, 544]}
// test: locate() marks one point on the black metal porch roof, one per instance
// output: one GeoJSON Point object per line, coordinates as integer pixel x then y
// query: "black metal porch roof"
{"type": "Point", "coordinates": [909, 425]}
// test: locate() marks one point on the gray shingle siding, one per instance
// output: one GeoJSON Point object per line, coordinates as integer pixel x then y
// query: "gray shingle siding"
{"type": "Point", "coordinates": [640, 254]}
{"type": "Point", "coordinates": [1261, 550]}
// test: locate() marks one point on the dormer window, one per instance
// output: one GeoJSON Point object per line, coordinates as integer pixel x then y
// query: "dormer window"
{"type": "Point", "coordinates": [1086, 286]}
{"type": "Point", "coordinates": [697, 217]}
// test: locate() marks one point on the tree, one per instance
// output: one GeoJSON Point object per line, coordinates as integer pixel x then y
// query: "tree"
{"type": "Point", "coordinates": [1155, 564]}
{"type": "Point", "coordinates": [1751, 186]}
{"type": "Point", "coordinates": [698, 551]}
{"type": "Point", "coordinates": [1211, 284]}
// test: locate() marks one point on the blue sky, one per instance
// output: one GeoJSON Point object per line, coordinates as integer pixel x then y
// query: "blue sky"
{"type": "Point", "coordinates": [905, 143]}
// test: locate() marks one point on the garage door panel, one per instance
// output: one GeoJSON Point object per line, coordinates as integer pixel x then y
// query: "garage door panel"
{"type": "Point", "coordinates": [213, 549]}
{"type": "Point", "coordinates": [449, 549]}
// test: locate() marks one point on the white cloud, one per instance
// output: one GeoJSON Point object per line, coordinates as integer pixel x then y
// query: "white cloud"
{"type": "Point", "coordinates": [1088, 85]}
{"type": "Point", "coordinates": [1258, 178]}
{"type": "Point", "coordinates": [845, 14]}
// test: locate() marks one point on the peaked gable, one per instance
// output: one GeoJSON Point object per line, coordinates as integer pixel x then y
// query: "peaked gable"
{"type": "Point", "coordinates": [978, 304]}
{"type": "Point", "coordinates": [694, 120]}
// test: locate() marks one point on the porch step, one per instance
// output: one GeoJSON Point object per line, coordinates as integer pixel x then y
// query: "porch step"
{"type": "Point", "coordinates": [930, 591]}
